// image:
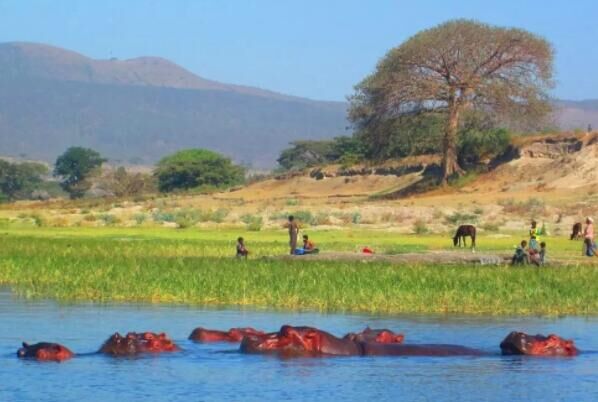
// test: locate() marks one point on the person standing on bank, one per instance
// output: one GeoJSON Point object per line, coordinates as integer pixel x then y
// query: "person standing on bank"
{"type": "Point", "coordinates": [534, 237]}
{"type": "Point", "coordinates": [293, 233]}
{"type": "Point", "coordinates": [588, 238]}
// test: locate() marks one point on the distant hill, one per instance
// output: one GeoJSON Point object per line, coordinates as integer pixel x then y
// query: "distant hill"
{"type": "Point", "coordinates": [577, 114]}
{"type": "Point", "coordinates": [144, 108]}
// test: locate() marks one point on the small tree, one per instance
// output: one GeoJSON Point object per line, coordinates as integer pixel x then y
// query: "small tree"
{"type": "Point", "coordinates": [122, 183]}
{"type": "Point", "coordinates": [453, 68]}
{"type": "Point", "coordinates": [75, 166]}
{"type": "Point", "coordinates": [193, 168]}
{"type": "Point", "coordinates": [19, 180]}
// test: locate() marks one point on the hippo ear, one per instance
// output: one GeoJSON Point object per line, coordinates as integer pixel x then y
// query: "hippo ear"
{"type": "Point", "coordinates": [25, 344]}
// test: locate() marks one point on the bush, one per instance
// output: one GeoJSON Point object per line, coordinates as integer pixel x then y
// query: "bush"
{"type": "Point", "coordinates": [419, 227]}
{"type": "Point", "coordinates": [186, 218]}
{"type": "Point", "coordinates": [163, 216]}
{"type": "Point", "coordinates": [109, 219]}
{"type": "Point", "coordinates": [476, 145]}
{"type": "Point", "coordinates": [139, 218]}
{"type": "Point", "coordinates": [254, 223]}
{"type": "Point", "coordinates": [38, 220]}
{"type": "Point", "coordinates": [460, 218]}
{"type": "Point", "coordinates": [491, 227]}
{"type": "Point", "coordinates": [216, 216]}
{"type": "Point", "coordinates": [356, 218]}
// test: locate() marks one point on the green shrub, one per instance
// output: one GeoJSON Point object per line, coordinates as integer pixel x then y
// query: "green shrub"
{"type": "Point", "coordinates": [216, 216]}
{"type": "Point", "coordinates": [139, 218]}
{"type": "Point", "coordinates": [356, 218]}
{"type": "Point", "coordinates": [476, 145]}
{"type": "Point", "coordinates": [163, 216]}
{"type": "Point", "coordinates": [254, 223]}
{"type": "Point", "coordinates": [38, 220]}
{"type": "Point", "coordinates": [109, 219]}
{"type": "Point", "coordinates": [419, 227]}
{"type": "Point", "coordinates": [185, 218]}
{"type": "Point", "coordinates": [460, 218]}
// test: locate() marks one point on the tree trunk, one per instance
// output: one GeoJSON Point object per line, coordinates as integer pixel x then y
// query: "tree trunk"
{"type": "Point", "coordinates": [450, 164]}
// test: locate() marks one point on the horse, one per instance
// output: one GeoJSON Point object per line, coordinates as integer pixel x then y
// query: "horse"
{"type": "Point", "coordinates": [576, 232]}
{"type": "Point", "coordinates": [462, 231]}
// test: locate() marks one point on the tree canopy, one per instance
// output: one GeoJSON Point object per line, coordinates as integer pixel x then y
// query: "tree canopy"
{"type": "Point", "coordinates": [193, 168]}
{"type": "Point", "coordinates": [75, 165]}
{"type": "Point", "coordinates": [19, 180]}
{"type": "Point", "coordinates": [452, 69]}
{"type": "Point", "coordinates": [302, 154]}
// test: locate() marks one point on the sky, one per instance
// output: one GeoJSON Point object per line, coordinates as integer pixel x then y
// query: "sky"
{"type": "Point", "coordinates": [312, 48]}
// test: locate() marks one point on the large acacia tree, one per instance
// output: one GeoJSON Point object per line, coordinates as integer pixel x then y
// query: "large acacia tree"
{"type": "Point", "coordinates": [453, 68]}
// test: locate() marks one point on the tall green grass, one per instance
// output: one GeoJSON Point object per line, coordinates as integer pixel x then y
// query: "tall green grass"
{"type": "Point", "coordinates": [197, 267]}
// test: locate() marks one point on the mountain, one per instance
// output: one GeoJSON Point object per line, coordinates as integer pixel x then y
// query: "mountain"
{"type": "Point", "coordinates": [577, 114]}
{"type": "Point", "coordinates": [144, 108]}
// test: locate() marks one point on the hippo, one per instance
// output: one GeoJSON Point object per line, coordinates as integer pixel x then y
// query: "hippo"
{"type": "Point", "coordinates": [300, 341]}
{"type": "Point", "coordinates": [232, 335]}
{"type": "Point", "coordinates": [397, 349]}
{"type": "Point", "coordinates": [135, 343]}
{"type": "Point", "coordinates": [520, 343]}
{"type": "Point", "coordinates": [375, 335]}
{"type": "Point", "coordinates": [45, 351]}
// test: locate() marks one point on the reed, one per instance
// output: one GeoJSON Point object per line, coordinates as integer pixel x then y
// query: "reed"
{"type": "Point", "coordinates": [197, 268]}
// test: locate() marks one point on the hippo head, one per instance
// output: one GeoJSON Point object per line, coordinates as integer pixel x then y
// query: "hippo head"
{"type": "Point", "coordinates": [299, 341]}
{"type": "Point", "coordinates": [376, 335]}
{"type": "Point", "coordinates": [135, 343]}
{"type": "Point", "coordinates": [520, 343]}
{"type": "Point", "coordinates": [288, 340]}
{"type": "Point", "coordinates": [45, 351]}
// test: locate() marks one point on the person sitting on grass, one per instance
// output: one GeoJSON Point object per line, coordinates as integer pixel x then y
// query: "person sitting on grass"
{"type": "Point", "coordinates": [241, 249]}
{"type": "Point", "coordinates": [537, 257]}
{"type": "Point", "coordinates": [521, 256]}
{"type": "Point", "coordinates": [309, 246]}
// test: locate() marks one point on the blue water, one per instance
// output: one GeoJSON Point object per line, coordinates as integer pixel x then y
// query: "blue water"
{"type": "Point", "coordinates": [217, 372]}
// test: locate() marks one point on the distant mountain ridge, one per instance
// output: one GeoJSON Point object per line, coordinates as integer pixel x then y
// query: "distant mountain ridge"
{"type": "Point", "coordinates": [144, 108]}
{"type": "Point", "coordinates": [141, 109]}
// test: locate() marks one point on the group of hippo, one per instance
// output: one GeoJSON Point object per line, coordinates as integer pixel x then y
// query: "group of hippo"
{"type": "Point", "coordinates": [292, 341]}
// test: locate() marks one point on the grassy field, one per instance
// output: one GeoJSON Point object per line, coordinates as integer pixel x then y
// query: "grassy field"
{"type": "Point", "coordinates": [196, 267]}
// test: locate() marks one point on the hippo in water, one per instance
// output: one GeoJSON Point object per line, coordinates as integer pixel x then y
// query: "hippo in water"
{"type": "Point", "coordinates": [375, 335]}
{"type": "Point", "coordinates": [520, 343]}
{"type": "Point", "coordinates": [309, 341]}
{"type": "Point", "coordinates": [232, 335]}
{"type": "Point", "coordinates": [45, 351]}
{"type": "Point", "coordinates": [135, 343]}
{"type": "Point", "coordinates": [300, 341]}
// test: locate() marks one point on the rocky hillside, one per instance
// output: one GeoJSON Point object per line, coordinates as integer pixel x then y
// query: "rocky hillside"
{"type": "Point", "coordinates": [141, 109]}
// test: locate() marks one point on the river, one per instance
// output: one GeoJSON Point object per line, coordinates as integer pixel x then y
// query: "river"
{"type": "Point", "coordinates": [217, 372]}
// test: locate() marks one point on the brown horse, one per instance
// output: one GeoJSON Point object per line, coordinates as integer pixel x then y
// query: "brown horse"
{"type": "Point", "coordinates": [576, 232]}
{"type": "Point", "coordinates": [462, 231]}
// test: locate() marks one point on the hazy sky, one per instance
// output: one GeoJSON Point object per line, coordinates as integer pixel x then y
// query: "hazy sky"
{"type": "Point", "coordinates": [313, 48]}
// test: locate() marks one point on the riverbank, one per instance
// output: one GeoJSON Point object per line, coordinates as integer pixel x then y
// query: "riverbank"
{"type": "Point", "coordinates": [195, 267]}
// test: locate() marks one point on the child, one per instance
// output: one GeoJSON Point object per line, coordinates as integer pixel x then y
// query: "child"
{"type": "Point", "coordinates": [520, 257]}
{"type": "Point", "coordinates": [241, 249]}
{"type": "Point", "coordinates": [309, 247]}
{"type": "Point", "coordinates": [537, 257]}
